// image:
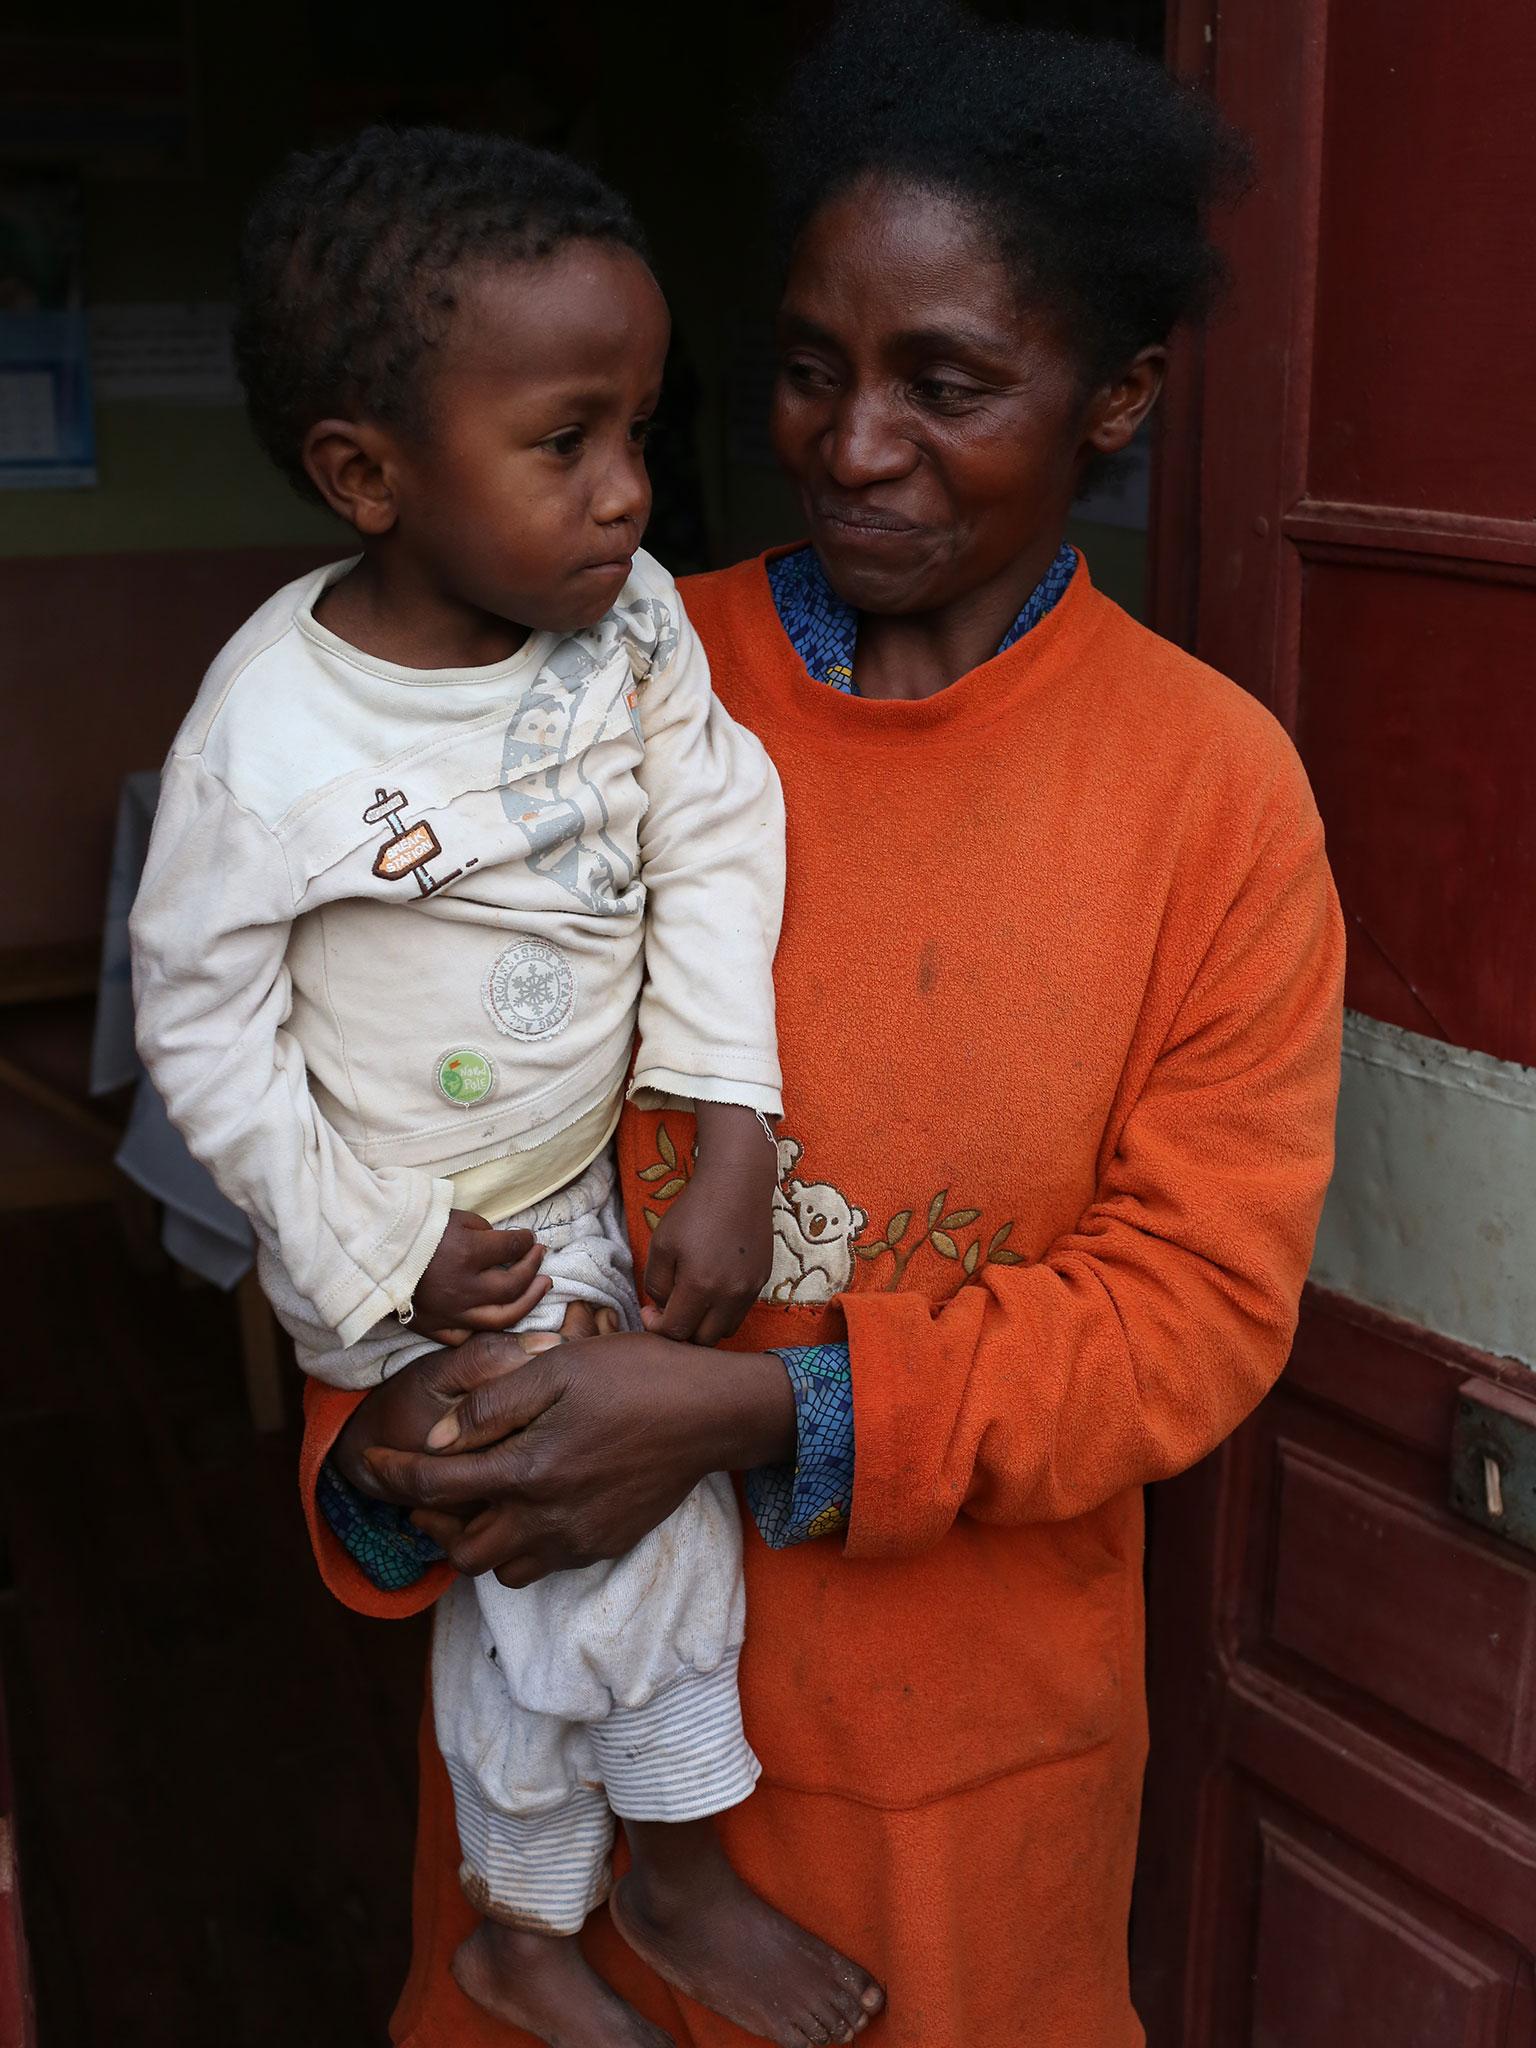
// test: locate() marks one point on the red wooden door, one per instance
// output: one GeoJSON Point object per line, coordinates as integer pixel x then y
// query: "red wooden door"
{"type": "Point", "coordinates": [1340, 1836]}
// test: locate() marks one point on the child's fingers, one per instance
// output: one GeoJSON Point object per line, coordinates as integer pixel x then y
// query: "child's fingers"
{"type": "Point", "coordinates": [686, 1308]}
{"type": "Point", "coordinates": [502, 1314]}
{"type": "Point", "coordinates": [493, 1286]}
{"type": "Point", "coordinates": [660, 1273]}
{"type": "Point", "coordinates": [723, 1318]}
{"type": "Point", "coordinates": [503, 1247]}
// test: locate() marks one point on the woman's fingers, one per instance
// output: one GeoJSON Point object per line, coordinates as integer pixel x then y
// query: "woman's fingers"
{"type": "Point", "coordinates": [417, 1479]}
{"type": "Point", "coordinates": [446, 1531]}
{"type": "Point", "coordinates": [488, 1414]}
{"type": "Point", "coordinates": [498, 1540]}
{"type": "Point", "coordinates": [485, 1415]}
{"type": "Point", "coordinates": [482, 1356]}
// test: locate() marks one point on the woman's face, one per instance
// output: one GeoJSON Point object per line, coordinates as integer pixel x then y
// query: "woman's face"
{"type": "Point", "coordinates": [935, 427]}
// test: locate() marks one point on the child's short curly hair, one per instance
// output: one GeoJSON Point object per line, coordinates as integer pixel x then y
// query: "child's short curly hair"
{"type": "Point", "coordinates": [350, 260]}
{"type": "Point", "coordinates": [1091, 166]}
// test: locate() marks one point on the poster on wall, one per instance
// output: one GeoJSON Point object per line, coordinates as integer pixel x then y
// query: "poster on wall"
{"type": "Point", "coordinates": [47, 426]}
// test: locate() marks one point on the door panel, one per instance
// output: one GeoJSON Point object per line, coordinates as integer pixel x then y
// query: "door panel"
{"type": "Point", "coordinates": [1346, 1952]}
{"type": "Point", "coordinates": [1359, 1730]}
{"type": "Point", "coordinates": [1450, 1631]}
{"type": "Point", "coordinates": [1428, 136]}
{"type": "Point", "coordinates": [1414, 717]}
{"type": "Point", "coordinates": [1339, 1841]}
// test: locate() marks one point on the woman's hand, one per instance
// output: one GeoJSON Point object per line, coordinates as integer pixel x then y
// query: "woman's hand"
{"type": "Point", "coordinates": [402, 1412]}
{"type": "Point", "coordinates": [583, 1450]}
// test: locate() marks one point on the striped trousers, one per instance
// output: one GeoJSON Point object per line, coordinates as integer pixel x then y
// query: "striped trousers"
{"type": "Point", "coordinates": [594, 1693]}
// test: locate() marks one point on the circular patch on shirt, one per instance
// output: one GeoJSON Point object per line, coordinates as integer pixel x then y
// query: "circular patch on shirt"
{"type": "Point", "coordinates": [530, 991]}
{"type": "Point", "coordinates": [465, 1076]}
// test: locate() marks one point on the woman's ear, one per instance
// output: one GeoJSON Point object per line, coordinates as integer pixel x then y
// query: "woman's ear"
{"type": "Point", "coordinates": [1118, 408]}
{"type": "Point", "coordinates": [348, 463]}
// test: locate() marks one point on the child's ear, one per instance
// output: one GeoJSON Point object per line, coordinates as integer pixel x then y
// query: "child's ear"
{"type": "Point", "coordinates": [347, 462]}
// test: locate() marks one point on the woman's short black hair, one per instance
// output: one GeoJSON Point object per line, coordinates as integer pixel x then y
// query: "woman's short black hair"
{"type": "Point", "coordinates": [1092, 166]}
{"type": "Point", "coordinates": [350, 262]}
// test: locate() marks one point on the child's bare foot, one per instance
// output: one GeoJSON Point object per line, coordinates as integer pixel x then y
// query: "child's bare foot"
{"type": "Point", "coordinates": [683, 1910]}
{"type": "Point", "coordinates": [544, 1984]}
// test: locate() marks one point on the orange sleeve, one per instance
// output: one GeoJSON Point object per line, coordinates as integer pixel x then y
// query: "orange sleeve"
{"type": "Point", "coordinates": [1140, 1339]}
{"type": "Point", "coordinates": [326, 1411]}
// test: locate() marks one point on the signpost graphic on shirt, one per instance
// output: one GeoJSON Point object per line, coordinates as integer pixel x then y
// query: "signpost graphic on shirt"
{"type": "Point", "coordinates": [409, 848]}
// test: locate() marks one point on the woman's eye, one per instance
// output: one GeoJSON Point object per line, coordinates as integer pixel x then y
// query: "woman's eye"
{"type": "Point", "coordinates": [805, 376]}
{"type": "Point", "coordinates": [943, 392]}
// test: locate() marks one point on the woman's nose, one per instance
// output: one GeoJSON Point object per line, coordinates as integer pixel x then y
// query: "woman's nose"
{"type": "Point", "coordinates": [863, 445]}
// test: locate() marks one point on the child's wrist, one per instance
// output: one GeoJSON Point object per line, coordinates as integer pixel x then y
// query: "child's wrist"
{"type": "Point", "coordinates": [735, 1139]}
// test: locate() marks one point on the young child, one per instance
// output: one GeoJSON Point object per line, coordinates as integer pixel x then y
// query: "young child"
{"type": "Point", "coordinates": [445, 823]}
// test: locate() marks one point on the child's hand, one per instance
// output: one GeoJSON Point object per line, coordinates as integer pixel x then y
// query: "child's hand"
{"type": "Point", "coordinates": [477, 1279]}
{"type": "Point", "coordinates": [713, 1250]}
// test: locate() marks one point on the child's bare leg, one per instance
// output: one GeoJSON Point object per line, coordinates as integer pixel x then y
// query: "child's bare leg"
{"type": "Point", "coordinates": [544, 1984]}
{"type": "Point", "coordinates": [683, 1909]}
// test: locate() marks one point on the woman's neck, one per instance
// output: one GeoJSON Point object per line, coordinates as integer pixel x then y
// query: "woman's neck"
{"type": "Point", "coordinates": [913, 655]}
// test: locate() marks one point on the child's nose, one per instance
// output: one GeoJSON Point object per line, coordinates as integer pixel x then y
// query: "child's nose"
{"type": "Point", "coordinates": [625, 493]}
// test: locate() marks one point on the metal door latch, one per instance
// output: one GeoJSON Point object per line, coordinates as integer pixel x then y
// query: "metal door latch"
{"type": "Point", "coordinates": [1493, 1461]}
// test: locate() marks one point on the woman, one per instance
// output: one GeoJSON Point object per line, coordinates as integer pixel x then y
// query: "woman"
{"type": "Point", "coordinates": [1059, 1007]}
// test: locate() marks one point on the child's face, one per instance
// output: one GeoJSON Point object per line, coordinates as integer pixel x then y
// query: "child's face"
{"type": "Point", "coordinates": [527, 494]}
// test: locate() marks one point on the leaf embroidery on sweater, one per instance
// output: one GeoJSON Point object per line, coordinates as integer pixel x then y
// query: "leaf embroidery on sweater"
{"type": "Point", "coordinates": [938, 1233]}
{"type": "Point", "coordinates": [816, 1230]}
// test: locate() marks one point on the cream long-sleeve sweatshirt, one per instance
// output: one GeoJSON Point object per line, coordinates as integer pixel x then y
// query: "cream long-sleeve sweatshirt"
{"type": "Point", "coordinates": [396, 923]}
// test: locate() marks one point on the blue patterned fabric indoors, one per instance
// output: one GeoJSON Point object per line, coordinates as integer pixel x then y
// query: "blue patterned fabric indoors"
{"type": "Point", "coordinates": [814, 1495]}
{"type": "Point", "coordinates": [824, 631]}
{"type": "Point", "coordinates": [378, 1537]}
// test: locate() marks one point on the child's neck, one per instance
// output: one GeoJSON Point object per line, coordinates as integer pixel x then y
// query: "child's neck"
{"type": "Point", "coordinates": [393, 611]}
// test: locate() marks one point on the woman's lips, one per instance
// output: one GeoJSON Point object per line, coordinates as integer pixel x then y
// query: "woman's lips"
{"type": "Point", "coordinates": [863, 528]}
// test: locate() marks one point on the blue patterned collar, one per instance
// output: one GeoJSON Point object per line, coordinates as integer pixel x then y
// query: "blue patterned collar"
{"type": "Point", "coordinates": [823, 630]}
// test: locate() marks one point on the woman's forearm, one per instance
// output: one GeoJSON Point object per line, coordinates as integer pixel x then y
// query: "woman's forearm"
{"type": "Point", "coordinates": [756, 1412]}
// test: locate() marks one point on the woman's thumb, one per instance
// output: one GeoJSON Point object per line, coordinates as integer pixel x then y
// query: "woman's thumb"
{"type": "Point", "coordinates": [458, 1368]}
{"type": "Point", "coordinates": [497, 1404]}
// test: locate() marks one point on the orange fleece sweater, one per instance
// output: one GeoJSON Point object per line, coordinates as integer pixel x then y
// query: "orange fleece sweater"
{"type": "Point", "coordinates": [1059, 996]}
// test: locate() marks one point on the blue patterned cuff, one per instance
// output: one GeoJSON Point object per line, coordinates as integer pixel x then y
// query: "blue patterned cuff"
{"type": "Point", "coordinates": [379, 1538]}
{"type": "Point", "coordinates": [814, 1496]}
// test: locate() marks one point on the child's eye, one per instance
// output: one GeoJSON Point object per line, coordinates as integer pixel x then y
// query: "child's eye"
{"type": "Point", "coordinates": [641, 431]}
{"type": "Point", "coordinates": [567, 445]}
